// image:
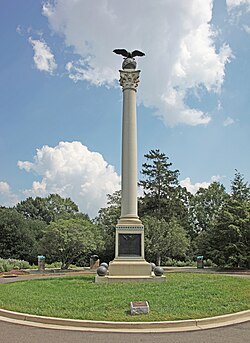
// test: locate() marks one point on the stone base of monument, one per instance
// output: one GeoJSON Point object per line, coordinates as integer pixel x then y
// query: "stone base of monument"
{"type": "Point", "coordinates": [127, 278]}
{"type": "Point", "coordinates": [129, 266]}
{"type": "Point", "coordinates": [129, 270]}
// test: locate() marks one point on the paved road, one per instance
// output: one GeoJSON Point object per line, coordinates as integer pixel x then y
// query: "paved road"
{"type": "Point", "coordinates": [13, 333]}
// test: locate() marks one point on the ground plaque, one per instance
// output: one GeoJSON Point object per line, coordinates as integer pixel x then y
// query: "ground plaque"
{"type": "Point", "coordinates": [139, 307]}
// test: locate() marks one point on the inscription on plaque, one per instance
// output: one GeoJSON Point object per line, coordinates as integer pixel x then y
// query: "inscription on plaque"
{"type": "Point", "coordinates": [129, 244]}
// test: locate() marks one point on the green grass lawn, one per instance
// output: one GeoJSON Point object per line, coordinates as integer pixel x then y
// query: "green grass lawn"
{"type": "Point", "coordinates": [182, 296]}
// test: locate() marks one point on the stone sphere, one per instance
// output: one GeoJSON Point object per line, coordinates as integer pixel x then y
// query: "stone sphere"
{"type": "Point", "coordinates": [153, 266]}
{"type": "Point", "coordinates": [158, 271]}
{"type": "Point", "coordinates": [104, 264]}
{"type": "Point", "coordinates": [129, 63]}
{"type": "Point", "coordinates": [102, 271]}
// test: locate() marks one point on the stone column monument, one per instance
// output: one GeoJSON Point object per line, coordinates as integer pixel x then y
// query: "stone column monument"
{"type": "Point", "coordinates": [129, 263]}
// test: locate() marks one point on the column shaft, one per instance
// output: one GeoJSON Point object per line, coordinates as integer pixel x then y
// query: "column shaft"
{"type": "Point", "coordinates": [129, 155]}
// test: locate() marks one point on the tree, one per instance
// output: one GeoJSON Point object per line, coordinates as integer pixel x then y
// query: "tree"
{"type": "Point", "coordinates": [181, 207]}
{"type": "Point", "coordinates": [205, 206]}
{"type": "Point", "coordinates": [164, 239]}
{"type": "Point", "coordinates": [229, 238]}
{"type": "Point", "coordinates": [47, 209]}
{"type": "Point", "coordinates": [240, 189]}
{"type": "Point", "coordinates": [19, 236]}
{"type": "Point", "coordinates": [159, 185]}
{"type": "Point", "coordinates": [178, 241]}
{"type": "Point", "coordinates": [68, 240]}
{"type": "Point", "coordinates": [110, 215]}
{"type": "Point", "coordinates": [107, 220]}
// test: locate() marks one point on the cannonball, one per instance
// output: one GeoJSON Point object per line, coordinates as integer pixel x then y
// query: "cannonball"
{"type": "Point", "coordinates": [153, 266]}
{"type": "Point", "coordinates": [158, 271]}
{"type": "Point", "coordinates": [104, 264]}
{"type": "Point", "coordinates": [102, 271]}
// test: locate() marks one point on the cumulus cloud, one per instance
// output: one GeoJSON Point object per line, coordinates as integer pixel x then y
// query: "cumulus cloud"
{"type": "Point", "coordinates": [231, 4]}
{"type": "Point", "coordinates": [228, 121]}
{"type": "Point", "coordinates": [176, 36]}
{"type": "Point", "coordinates": [4, 187]}
{"type": "Point", "coordinates": [7, 198]}
{"type": "Point", "coordinates": [77, 71]}
{"type": "Point", "coordinates": [71, 170]}
{"type": "Point", "coordinates": [193, 188]}
{"type": "Point", "coordinates": [43, 57]}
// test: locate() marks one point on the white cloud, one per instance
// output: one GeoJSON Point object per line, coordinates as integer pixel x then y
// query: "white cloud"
{"type": "Point", "coordinates": [176, 36]}
{"type": "Point", "coordinates": [19, 30]}
{"type": "Point", "coordinates": [4, 187]}
{"type": "Point", "coordinates": [238, 12]}
{"type": "Point", "coordinates": [43, 57]}
{"type": "Point", "coordinates": [231, 4]}
{"type": "Point", "coordinates": [193, 188]}
{"type": "Point", "coordinates": [246, 28]}
{"type": "Point", "coordinates": [77, 72]}
{"type": "Point", "coordinates": [7, 198]}
{"type": "Point", "coordinates": [71, 170]}
{"type": "Point", "coordinates": [216, 178]}
{"type": "Point", "coordinates": [228, 121]}
{"type": "Point", "coordinates": [219, 105]}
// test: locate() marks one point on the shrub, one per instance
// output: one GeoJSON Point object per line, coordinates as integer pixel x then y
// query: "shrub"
{"type": "Point", "coordinates": [53, 265]}
{"type": "Point", "coordinates": [209, 263]}
{"type": "Point", "coordinates": [8, 264]}
{"type": "Point", "coordinates": [169, 262]}
{"type": "Point", "coordinates": [58, 265]}
{"type": "Point", "coordinates": [181, 264]}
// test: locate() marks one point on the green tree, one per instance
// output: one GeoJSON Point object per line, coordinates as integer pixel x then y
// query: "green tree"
{"type": "Point", "coordinates": [107, 220]}
{"type": "Point", "coordinates": [68, 240]}
{"type": "Point", "coordinates": [240, 189]}
{"type": "Point", "coordinates": [159, 186]}
{"type": "Point", "coordinates": [19, 236]}
{"type": "Point", "coordinates": [181, 207]}
{"type": "Point", "coordinates": [164, 239]}
{"type": "Point", "coordinates": [205, 206]}
{"type": "Point", "coordinates": [47, 209]}
{"type": "Point", "coordinates": [229, 238]}
{"type": "Point", "coordinates": [178, 241]}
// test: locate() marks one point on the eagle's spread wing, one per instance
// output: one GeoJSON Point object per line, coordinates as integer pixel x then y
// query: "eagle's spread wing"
{"type": "Point", "coordinates": [137, 53]}
{"type": "Point", "coordinates": [122, 52]}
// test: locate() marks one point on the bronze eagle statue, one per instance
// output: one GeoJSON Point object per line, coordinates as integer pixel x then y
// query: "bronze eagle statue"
{"type": "Point", "coordinates": [128, 54]}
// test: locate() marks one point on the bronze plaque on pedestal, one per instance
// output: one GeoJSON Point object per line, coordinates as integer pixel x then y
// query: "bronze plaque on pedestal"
{"type": "Point", "coordinates": [129, 245]}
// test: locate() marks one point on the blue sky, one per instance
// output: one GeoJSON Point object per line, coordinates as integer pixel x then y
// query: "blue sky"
{"type": "Point", "coordinates": [60, 101]}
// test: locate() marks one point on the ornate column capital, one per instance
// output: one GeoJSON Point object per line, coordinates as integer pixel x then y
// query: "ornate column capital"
{"type": "Point", "coordinates": [129, 79]}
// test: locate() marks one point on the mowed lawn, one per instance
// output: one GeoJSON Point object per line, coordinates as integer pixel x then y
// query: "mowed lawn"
{"type": "Point", "coordinates": [182, 296]}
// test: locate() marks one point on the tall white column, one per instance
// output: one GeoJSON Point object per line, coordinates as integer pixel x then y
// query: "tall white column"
{"type": "Point", "coordinates": [129, 80]}
{"type": "Point", "coordinates": [129, 263]}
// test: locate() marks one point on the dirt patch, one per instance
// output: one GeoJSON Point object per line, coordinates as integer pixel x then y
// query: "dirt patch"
{"type": "Point", "coordinates": [13, 272]}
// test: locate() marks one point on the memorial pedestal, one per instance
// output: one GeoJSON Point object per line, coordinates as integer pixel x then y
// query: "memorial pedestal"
{"type": "Point", "coordinates": [129, 264]}
{"type": "Point", "coordinates": [130, 267]}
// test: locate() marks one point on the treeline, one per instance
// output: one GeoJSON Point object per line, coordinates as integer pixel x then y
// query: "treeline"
{"type": "Point", "coordinates": [50, 226]}
{"type": "Point", "coordinates": [178, 225]}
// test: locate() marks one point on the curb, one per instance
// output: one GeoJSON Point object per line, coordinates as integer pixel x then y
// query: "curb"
{"type": "Point", "coordinates": [105, 326]}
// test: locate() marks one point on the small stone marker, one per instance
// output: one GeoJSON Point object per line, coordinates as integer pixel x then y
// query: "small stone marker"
{"type": "Point", "coordinates": [94, 262]}
{"type": "Point", "coordinates": [139, 307]}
